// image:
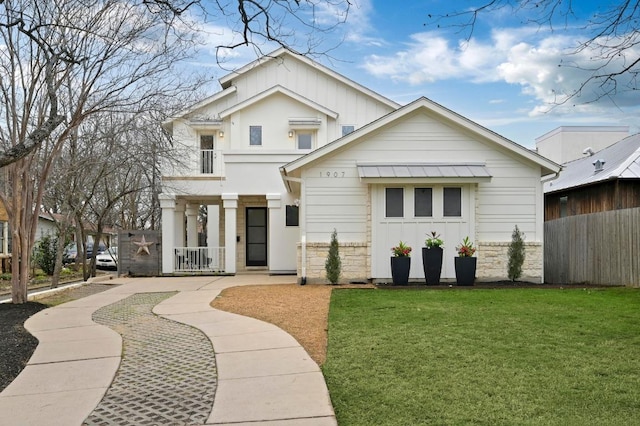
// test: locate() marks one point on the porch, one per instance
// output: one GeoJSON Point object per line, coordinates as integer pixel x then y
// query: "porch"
{"type": "Point", "coordinates": [199, 259]}
{"type": "Point", "coordinates": [226, 234]}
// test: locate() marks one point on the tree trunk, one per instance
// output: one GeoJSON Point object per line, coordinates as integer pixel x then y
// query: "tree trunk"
{"type": "Point", "coordinates": [55, 279]}
{"type": "Point", "coordinates": [18, 287]}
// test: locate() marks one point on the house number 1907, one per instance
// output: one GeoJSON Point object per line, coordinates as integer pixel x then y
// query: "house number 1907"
{"type": "Point", "coordinates": [331, 174]}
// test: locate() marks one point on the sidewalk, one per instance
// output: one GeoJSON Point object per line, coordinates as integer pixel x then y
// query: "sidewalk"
{"type": "Point", "coordinates": [262, 374]}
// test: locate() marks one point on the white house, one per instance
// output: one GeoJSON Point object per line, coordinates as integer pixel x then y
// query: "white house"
{"type": "Point", "coordinates": [289, 150]}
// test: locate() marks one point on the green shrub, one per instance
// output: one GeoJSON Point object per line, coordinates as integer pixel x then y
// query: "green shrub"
{"type": "Point", "coordinates": [44, 255]}
{"type": "Point", "coordinates": [516, 255]}
{"type": "Point", "coordinates": [333, 265]}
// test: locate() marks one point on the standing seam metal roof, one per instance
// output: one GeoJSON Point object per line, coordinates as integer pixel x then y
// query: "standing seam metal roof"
{"type": "Point", "coordinates": [423, 170]}
{"type": "Point", "coordinates": [621, 161]}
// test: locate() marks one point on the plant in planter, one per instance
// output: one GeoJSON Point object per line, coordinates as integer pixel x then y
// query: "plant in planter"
{"type": "Point", "coordinates": [465, 263]}
{"type": "Point", "coordinates": [400, 264]}
{"type": "Point", "coordinates": [432, 258]}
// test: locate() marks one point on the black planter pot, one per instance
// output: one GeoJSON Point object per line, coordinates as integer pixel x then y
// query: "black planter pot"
{"type": "Point", "coordinates": [432, 264]}
{"type": "Point", "coordinates": [465, 270]}
{"type": "Point", "coordinates": [400, 267]}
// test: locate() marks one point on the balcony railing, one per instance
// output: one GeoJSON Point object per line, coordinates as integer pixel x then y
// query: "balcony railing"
{"type": "Point", "coordinates": [211, 162]}
{"type": "Point", "coordinates": [198, 259]}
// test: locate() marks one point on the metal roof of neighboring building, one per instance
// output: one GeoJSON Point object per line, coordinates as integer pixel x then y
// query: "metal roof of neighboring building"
{"type": "Point", "coordinates": [619, 161]}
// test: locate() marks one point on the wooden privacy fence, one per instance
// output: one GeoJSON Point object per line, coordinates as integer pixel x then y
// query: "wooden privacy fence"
{"type": "Point", "coordinates": [597, 248]}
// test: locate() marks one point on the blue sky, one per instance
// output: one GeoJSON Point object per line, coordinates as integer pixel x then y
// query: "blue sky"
{"type": "Point", "coordinates": [505, 76]}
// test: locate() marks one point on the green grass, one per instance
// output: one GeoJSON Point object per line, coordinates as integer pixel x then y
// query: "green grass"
{"type": "Point", "coordinates": [492, 357]}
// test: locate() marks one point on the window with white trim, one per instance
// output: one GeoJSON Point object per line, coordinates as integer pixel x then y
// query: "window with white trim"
{"type": "Point", "coordinates": [255, 135]}
{"type": "Point", "coordinates": [423, 202]}
{"type": "Point", "coordinates": [207, 154]}
{"type": "Point", "coordinates": [304, 140]}
{"type": "Point", "coordinates": [346, 129]}
{"type": "Point", "coordinates": [394, 202]}
{"type": "Point", "coordinates": [452, 202]}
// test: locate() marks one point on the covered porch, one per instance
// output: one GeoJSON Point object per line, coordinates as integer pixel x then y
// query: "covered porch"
{"type": "Point", "coordinates": [222, 234]}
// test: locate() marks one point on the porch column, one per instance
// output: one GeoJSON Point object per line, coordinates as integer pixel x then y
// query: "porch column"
{"type": "Point", "coordinates": [179, 236]}
{"type": "Point", "coordinates": [168, 205]}
{"type": "Point", "coordinates": [192, 225]}
{"type": "Point", "coordinates": [275, 245]}
{"type": "Point", "coordinates": [213, 226]}
{"type": "Point", "coordinates": [230, 204]}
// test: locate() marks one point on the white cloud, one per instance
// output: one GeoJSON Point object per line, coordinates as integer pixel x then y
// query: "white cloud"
{"type": "Point", "coordinates": [358, 28]}
{"type": "Point", "coordinates": [545, 65]}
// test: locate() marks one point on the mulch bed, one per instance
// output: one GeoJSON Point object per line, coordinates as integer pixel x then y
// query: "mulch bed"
{"type": "Point", "coordinates": [17, 344]}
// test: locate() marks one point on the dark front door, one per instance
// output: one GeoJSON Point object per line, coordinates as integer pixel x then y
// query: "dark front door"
{"type": "Point", "coordinates": [256, 236]}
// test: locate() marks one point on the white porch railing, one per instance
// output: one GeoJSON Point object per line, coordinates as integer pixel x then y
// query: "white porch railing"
{"type": "Point", "coordinates": [198, 259]}
{"type": "Point", "coordinates": [211, 162]}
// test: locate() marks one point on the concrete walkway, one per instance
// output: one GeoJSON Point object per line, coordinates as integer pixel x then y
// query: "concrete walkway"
{"type": "Point", "coordinates": [263, 374]}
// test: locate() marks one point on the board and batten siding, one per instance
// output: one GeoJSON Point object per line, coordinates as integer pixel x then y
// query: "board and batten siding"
{"type": "Point", "coordinates": [355, 107]}
{"type": "Point", "coordinates": [490, 209]}
{"type": "Point", "coordinates": [512, 197]}
{"type": "Point", "coordinates": [335, 198]}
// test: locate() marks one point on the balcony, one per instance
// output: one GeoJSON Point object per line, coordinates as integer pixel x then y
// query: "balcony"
{"type": "Point", "coordinates": [211, 162]}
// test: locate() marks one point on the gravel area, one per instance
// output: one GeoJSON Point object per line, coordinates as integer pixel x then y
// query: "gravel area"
{"type": "Point", "coordinates": [302, 311]}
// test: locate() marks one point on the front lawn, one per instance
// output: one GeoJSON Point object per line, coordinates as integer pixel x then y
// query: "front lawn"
{"type": "Point", "coordinates": [512, 356]}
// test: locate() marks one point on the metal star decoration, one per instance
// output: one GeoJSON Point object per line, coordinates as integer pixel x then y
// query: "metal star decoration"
{"type": "Point", "coordinates": [143, 246]}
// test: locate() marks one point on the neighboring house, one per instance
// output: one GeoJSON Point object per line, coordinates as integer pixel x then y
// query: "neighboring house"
{"type": "Point", "coordinates": [46, 226]}
{"type": "Point", "coordinates": [567, 143]}
{"type": "Point", "coordinates": [600, 181]}
{"type": "Point", "coordinates": [289, 150]}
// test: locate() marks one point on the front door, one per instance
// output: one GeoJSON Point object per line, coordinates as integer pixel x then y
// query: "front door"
{"type": "Point", "coordinates": [256, 236]}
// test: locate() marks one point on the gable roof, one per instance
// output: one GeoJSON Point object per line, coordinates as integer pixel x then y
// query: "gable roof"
{"type": "Point", "coordinates": [619, 161]}
{"type": "Point", "coordinates": [548, 166]}
{"type": "Point", "coordinates": [168, 123]}
{"type": "Point", "coordinates": [227, 80]}
{"type": "Point", "coordinates": [281, 90]}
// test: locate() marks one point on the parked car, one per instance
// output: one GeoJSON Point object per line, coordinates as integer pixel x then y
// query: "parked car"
{"type": "Point", "coordinates": [108, 259]}
{"type": "Point", "coordinates": [71, 252]}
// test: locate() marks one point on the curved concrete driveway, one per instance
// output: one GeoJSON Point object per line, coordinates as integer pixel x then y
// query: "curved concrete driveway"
{"type": "Point", "coordinates": [264, 375]}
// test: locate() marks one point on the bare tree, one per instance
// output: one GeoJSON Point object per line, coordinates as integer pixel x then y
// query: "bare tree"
{"type": "Point", "coordinates": [111, 56]}
{"type": "Point", "coordinates": [67, 60]}
{"type": "Point", "coordinates": [611, 36]}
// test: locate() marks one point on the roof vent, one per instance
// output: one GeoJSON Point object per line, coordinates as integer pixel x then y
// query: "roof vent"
{"type": "Point", "coordinates": [599, 165]}
{"type": "Point", "coordinates": [588, 151]}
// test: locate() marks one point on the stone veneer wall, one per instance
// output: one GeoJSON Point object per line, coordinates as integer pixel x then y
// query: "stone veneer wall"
{"type": "Point", "coordinates": [493, 260]}
{"type": "Point", "coordinates": [355, 259]}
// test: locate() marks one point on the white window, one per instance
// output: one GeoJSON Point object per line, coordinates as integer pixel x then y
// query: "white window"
{"type": "Point", "coordinates": [255, 135]}
{"type": "Point", "coordinates": [207, 154]}
{"type": "Point", "coordinates": [305, 140]}
{"type": "Point", "coordinates": [346, 129]}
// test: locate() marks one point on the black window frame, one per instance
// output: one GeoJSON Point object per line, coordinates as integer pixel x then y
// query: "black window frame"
{"type": "Point", "coordinates": [446, 208]}
{"type": "Point", "coordinates": [391, 205]}
{"type": "Point", "coordinates": [415, 201]}
{"type": "Point", "coordinates": [292, 215]}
